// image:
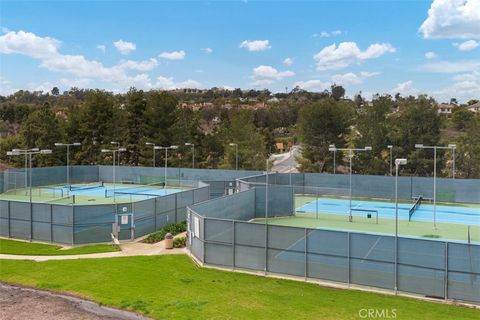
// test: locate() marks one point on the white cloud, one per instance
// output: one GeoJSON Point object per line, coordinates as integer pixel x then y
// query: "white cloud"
{"type": "Point", "coordinates": [451, 66]}
{"type": "Point", "coordinates": [79, 83]}
{"type": "Point", "coordinates": [405, 89]}
{"type": "Point", "coordinates": [352, 78]}
{"type": "Point", "coordinates": [313, 85]}
{"type": "Point", "coordinates": [145, 65]}
{"type": "Point", "coordinates": [467, 45]}
{"type": "Point", "coordinates": [267, 74]}
{"type": "Point", "coordinates": [327, 34]}
{"type": "Point", "coordinates": [452, 19]}
{"type": "Point", "coordinates": [102, 48]}
{"type": "Point", "coordinates": [28, 44]}
{"type": "Point", "coordinates": [46, 50]}
{"type": "Point", "coordinates": [466, 77]}
{"type": "Point", "coordinates": [124, 47]}
{"type": "Point", "coordinates": [333, 57]}
{"type": "Point", "coordinates": [462, 89]}
{"type": "Point", "coordinates": [174, 55]}
{"type": "Point", "coordinates": [255, 45]}
{"type": "Point", "coordinates": [430, 55]}
{"type": "Point", "coordinates": [170, 84]}
{"type": "Point", "coordinates": [207, 50]}
{"type": "Point", "coordinates": [288, 61]}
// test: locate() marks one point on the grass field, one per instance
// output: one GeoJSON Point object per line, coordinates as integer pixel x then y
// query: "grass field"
{"type": "Point", "coordinates": [39, 249]}
{"type": "Point", "coordinates": [173, 287]}
{"type": "Point", "coordinates": [449, 231]}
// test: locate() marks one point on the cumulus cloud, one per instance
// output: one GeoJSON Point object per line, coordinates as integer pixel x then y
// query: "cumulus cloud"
{"type": "Point", "coordinates": [352, 78]}
{"type": "Point", "coordinates": [78, 83]}
{"type": "Point", "coordinates": [145, 65]}
{"type": "Point", "coordinates": [430, 55]}
{"type": "Point", "coordinates": [288, 61]}
{"type": "Point", "coordinates": [452, 19]}
{"type": "Point", "coordinates": [327, 34]}
{"type": "Point", "coordinates": [124, 47]}
{"type": "Point", "coordinates": [451, 66]}
{"type": "Point", "coordinates": [255, 45]}
{"type": "Point", "coordinates": [467, 45]}
{"type": "Point", "coordinates": [168, 83]}
{"type": "Point", "coordinates": [405, 89]}
{"type": "Point", "coordinates": [267, 74]}
{"type": "Point", "coordinates": [46, 50]}
{"type": "Point", "coordinates": [464, 87]}
{"type": "Point", "coordinates": [333, 57]}
{"type": "Point", "coordinates": [174, 55]}
{"type": "Point", "coordinates": [312, 85]}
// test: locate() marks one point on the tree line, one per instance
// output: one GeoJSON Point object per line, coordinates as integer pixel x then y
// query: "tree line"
{"type": "Point", "coordinates": [95, 118]}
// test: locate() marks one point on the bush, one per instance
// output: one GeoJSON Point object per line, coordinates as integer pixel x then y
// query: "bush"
{"type": "Point", "coordinates": [180, 242]}
{"type": "Point", "coordinates": [171, 228]}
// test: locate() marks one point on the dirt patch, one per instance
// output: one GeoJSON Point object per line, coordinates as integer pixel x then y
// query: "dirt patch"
{"type": "Point", "coordinates": [25, 303]}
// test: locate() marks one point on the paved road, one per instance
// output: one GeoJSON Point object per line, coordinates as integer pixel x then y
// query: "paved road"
{"type": "Point", "coordinates": [286, 162]}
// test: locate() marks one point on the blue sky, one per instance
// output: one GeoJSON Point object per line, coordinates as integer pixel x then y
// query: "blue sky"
{"type": "Point", "coordinates": [409, 47]}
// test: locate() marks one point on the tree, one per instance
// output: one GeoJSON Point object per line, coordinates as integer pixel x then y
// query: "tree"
{"type": "Point", "coordinates": [55, 91]}
{"type": "Point", "coordinates": [135, 107]}
{"type": "Point", "coordinates": [417, 122]}
{"type": "Point", "coordinates": [337, 92]}
{"type": "Point", "coordinates": [321, 124]}
{"type": "Point", "coordinates": [41, 130]}
{"type": "Point", "coordinates": [468, 151]}
{"type": "Point", "coordinates": [461, 117]}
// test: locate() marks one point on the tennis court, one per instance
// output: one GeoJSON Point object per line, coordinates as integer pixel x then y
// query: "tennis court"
{"type": "Point", "coordinates": [454, 221]}
{"type": "Point", "coordinates": [91, 193]}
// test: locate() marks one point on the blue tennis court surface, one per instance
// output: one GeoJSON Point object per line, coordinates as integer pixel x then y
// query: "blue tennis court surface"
{"type": "Point", "coordinates": [444, 213]}
{"type": "Point", "coordinates": [135, 192]}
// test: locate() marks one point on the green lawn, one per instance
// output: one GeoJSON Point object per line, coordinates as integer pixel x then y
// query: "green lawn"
{"type": "Point", "coordinates": [8, 246]}
{"type": "Point", "coordinates": [173, 287]}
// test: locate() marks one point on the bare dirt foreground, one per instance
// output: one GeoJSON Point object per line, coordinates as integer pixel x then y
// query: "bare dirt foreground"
{"type": "Point", "coordinates": [24, 303]}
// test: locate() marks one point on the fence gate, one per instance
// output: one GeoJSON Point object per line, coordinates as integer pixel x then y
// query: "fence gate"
{"type": "Point", "coordinates": [124, 226]}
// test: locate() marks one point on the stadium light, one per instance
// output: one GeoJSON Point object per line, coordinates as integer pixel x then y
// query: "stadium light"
{"type": "Point", "coordinates": [166, 159]}
{"type": "Point", "coordinates": [236, 153]}
{"type": "Point", "coordinates": [28, 158]}
{"type": "Point", "coordinates": [154, 148]}
{"type": "Point", "coordinates": [398, 163]}
{"type": "Point", "coordinates": [188, 144]}
{"type": "Point", "coordinates": [350, 156]}
{"type": "Point", "coordinates": [391, 157]}
{"type": "Point", "coordinates": [114, 151]}
{"type": "Point", "coordinates": [68, 145]}
{"type": "Point", "coordinates": [450, 146]}
{"type": "Point", "coordinates": [332, 148]}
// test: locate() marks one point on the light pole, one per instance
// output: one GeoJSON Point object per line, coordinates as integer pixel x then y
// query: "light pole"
{"type": "Point", "coordinates": [421, 146]}
{"type": "Point", "coordinates": [398, 163]}
{"type": "Point", "coordinates": [68, 145]}
{"type": "Point", "coordinates": [334, 157]}
{"type": "Point", "coordinates": [117, 144]}
{"type": "Point", "coordinates": [193, 153]}
{"type": "Point", "coordinates": [113, 151]}
{"type": "Point", "coordinates": [153, 147]}
{"type": "Point", "coordinates": [166, 160]}
{"type": "Point", "coordinates": [453, 147]}
{"type": "Point", "coordinates": [28, 153]}
{"type": "Point", "coordinates": [350, 155]}
{"type": "Point", "coordinates": [391, 157]}
{"type": "Point", "coordinates": [17, 152]}
{"type": "Point", "coordinates": [236, 154]}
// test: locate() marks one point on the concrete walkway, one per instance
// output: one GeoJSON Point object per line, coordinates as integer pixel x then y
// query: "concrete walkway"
{"type": "Point", "coordinates": [129, 249]}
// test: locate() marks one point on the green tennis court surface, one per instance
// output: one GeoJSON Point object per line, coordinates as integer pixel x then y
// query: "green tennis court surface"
{"type": "Point", "coordinates": [91, 193]}
{"type": "Point", "coordinates": [331, 213]}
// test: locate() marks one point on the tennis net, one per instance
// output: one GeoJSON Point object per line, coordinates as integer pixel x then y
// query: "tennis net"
{"type": "Point", "coordinates": [412, 210]}
{"type": "Point", "coordinates": [62, 200]}
{"type": "Point", "coordinates": [152, 190]}
{"type": "Point", "coordinates": [86, 186]}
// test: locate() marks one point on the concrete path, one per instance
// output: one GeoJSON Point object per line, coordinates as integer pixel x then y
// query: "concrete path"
{"type": "Point", "coordinates": [286, 162]}
{"type": "Point", "coordinates": [129, 249]}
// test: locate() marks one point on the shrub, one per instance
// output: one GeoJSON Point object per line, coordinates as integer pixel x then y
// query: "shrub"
{"type": "Point", "coordinates": [180, 242]}
{"type": "Point", "coordinates": [171, 228]}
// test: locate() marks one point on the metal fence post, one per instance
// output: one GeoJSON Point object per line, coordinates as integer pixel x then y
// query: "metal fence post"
{"type": "Point", "coordinates": [73, 225]}
{"type": "Point", "coordinates": [348, 258]}
{"type": "Point", "coordinates": [31, 220]}
{"type": "Point", "coordinates": [9, 218]}
{"type": "Point", "coordinates": [155, 213]}
{"type": "Point", "coordinates": [51, 223]}
{"type": "Point", "coordinates": [446, 272]}
{"type": "Point", "coordinates": [306, 254]}
{"type": "Point", "coordinates": [203, 237]}
{"type": "Point", "coordinates": [233, 244]}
